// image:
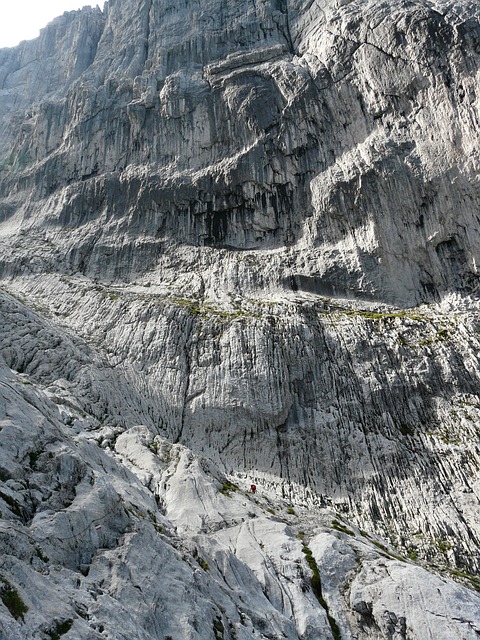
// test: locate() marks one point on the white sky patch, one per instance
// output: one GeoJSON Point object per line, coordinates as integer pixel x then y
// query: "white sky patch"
{"type": "Point", "coordinates": [23, 19]}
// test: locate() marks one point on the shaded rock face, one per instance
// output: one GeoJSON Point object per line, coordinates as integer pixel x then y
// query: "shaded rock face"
{"type": "Point", "coordinates": [240, 243]}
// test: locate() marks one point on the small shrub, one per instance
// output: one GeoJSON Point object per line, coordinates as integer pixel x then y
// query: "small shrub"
{"type": "Point", "coordinates": [33, 459]}
{"type": "Point", "coordinates": [407, 430]}
{"type": "Point", "coordinates": [412, 554]}
{"type": "Point", "coordinates": [12, 599]}
{"type": "Point", "coordinates": [203, 563]}
{"type": "Point", "coordinates": [442, 334]}
{"type": "Point", "coordinates": [443, 545]}
{"type": "Point", "coordinates": [40, 554]}
{"type": "Point", "coordinates": [61, 628]}
{"type": "Point", "coordinates": [12, 503]}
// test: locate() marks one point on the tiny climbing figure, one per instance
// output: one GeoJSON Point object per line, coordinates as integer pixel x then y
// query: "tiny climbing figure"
{"type": "Point", "coordinates": [253, 488]}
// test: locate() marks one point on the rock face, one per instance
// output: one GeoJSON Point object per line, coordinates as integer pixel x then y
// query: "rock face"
{"type": "Point", "coordinates": [239, 243]}
{"type": "Point", "coordinates": [343, 135]}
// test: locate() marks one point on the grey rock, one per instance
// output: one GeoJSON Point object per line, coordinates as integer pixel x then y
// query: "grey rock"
{"type": "Point", "coordinates": [239, 244]}
{"type": "Point", "coordinates": [316, 128]}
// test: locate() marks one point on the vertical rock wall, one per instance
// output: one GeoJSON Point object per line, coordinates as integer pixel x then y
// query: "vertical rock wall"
{"type": "Point", "coordinates": [346, 132]}
{"type": "Point", "coordinates": [253, 229]}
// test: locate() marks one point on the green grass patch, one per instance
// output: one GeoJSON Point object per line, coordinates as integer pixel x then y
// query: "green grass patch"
{"type": "Point", "coordinates": [227, 488]}
{"type": "Point", "coordinates": [111, 295]}
{"type": "Point", "coordinates": [443, 545]}
{"type": "Point", "coordinates": [381, 546]}
{"type": "Point", "coordinates": [341, 527]}
{"type": "Point", "coordinates": [443, 334]}
{"type": "Point", "coordinates": [197, 308]}
{"type": "Point", "coordinates": [403, 314]}
{"type": "Point", "coordinates": [203, 563]}
{"type": "Point", "coordinates": [474, 581]}
{"type": "Point", "coordinates": [412, 554]}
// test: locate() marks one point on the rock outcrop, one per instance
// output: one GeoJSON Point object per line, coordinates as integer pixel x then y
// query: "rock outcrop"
{"type": "Point", "coordinates": [239, 243]}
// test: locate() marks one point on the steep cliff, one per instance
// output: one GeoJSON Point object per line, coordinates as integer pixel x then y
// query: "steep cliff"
{"type": "Point", "coordinates": [344, 135]}
{"type": "Point", "coordinates": [242, 240]}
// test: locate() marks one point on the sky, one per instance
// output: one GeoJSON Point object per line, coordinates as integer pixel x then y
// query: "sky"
{"type": "Point", "coordinates": [23, 19]}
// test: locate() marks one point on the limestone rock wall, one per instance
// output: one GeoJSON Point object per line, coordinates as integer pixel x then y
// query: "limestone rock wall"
{"type": "Point", "coordinates": [374, 413]}
{"type": "Point", "coordinates": [239, 243]}
{"type": "Point", "coordinates": [344, 131]}
{"type": "Point", "coordinates": [118, 533]}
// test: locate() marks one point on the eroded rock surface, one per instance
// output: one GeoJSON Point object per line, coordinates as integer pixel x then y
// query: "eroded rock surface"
{"type": "Point", "coordinates": [239, 243]}
{"type": "Point", "coordinates": [342, 134]}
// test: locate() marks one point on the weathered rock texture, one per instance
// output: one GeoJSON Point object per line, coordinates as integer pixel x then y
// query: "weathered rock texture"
{"type": "Point", "coordinates": [242, 242]}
